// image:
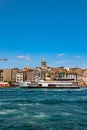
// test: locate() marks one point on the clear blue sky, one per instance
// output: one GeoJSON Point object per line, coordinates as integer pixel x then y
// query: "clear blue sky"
{"type": "Point", "coordinates": [53, 29]}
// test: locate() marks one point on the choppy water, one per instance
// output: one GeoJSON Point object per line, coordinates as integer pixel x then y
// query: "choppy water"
{"type": "Point", "coordinates": [43, 109]}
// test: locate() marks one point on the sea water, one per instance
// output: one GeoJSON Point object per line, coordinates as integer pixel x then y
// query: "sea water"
{"type": "Point", "coordinates": [43, 109]}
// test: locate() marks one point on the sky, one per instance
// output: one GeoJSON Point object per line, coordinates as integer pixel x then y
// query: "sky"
{"type": "Point", "coordinates": [31, 30]}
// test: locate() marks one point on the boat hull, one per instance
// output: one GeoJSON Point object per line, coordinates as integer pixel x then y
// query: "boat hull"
{"type": "Point", "coordinates": [50, 87]}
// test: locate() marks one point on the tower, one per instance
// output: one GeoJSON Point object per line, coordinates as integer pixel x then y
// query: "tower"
{"type": "Point", "coordinates": [43, 63]}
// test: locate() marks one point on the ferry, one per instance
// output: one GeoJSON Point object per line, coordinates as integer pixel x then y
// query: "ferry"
{"type": "Point", "coordinates": [27, 84]}
{"type": "Point", "coordinates": [50, 84]}
{"type": "Point", "coordinates": [58, 84]}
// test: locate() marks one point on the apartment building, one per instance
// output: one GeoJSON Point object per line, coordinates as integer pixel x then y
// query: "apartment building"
{"type": "Point", "coordinates": [1, 75]}
{"type": "Point", "coordinates": [33, 76]}
{"type": "Point", "coordinates": [10, 74]}
{"type": "Point", "coordinates": [21, 76]}
{"type": "Point", "coordinates": [66, 75]}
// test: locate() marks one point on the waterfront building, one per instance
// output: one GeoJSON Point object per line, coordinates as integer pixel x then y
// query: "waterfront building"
{"type": "Point", "coordinates": [7, 75]}
{"type": "Point", "coordinates": [84, 77]}
{"type": "Point", "coordinates": [43, 75]}
{"type": "Point", "coordinates": [1, 75]}
{"type": "Point", "coordinates": [62, 73]}
{"type": "Point", "coordinates": [14, 71]}
{"type": "Point", "coordinates": [10, 74]}
{"type": "Point", "coordinates": [65, 75]}
{"type": "Point", "coordinates": [21, 76]}
{"type": "Point", "coordinates": [79, 72]}
{"type": "Point", "coordinates": [33, 75]}
{"type": "Point", "coordinates": [28, 75]}
{"type": "Point", "coordinates": [72, 76]}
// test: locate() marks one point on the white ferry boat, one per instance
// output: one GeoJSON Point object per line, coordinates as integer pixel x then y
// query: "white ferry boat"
{"type": "Point", "coordinates": [27, 84]}
{"type": "Point", "coordinates": [24, 84]}
{"type": "Point", "coordinates": [50, 84]}
{"type": "Point", "coordinates": [57, 84]}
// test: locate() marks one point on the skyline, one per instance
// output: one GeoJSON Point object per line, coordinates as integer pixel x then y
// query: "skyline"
{"type": "Point", "coordinates": [53, 29]}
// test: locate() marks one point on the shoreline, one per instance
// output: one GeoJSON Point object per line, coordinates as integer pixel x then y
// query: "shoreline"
{"type": "Point", "coordinates": [29, 87]}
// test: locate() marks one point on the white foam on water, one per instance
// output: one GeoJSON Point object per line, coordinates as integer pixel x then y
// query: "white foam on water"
{"type": "Point", "coordinates": [23, 115]}
{"type": "Point", "coordinates": [4, 103]}
{"type": "Point", "coordinates": [41, 115]}
{"type": "Point", "coordinates": [38, 104]}
{"type": "Point", "coordinates": [26, 115]}
{"type": "Point", "coordinates": [26, 104]}
{"type": "Point", "coordinates": [83, 97]}
{"type": "Point", "coordinates": [81, 89]}
{"type": "Point", "coordinates": [66, 114]}
{"type": "Point", "coordinates": [69, 89]}
{"type": "Point", "coordinates": [4, 112]}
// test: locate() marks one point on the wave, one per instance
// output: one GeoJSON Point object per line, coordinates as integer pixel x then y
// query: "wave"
{"type": "Point", "coordinates": [66, 114]}
{"type": "Point", "coordinates": [4, 103]}
{"type": "Point", "coordinates": [24, 104]}
{"type": "Point", "coordinates": [4, 112]}
{"type": "Point", "coordinates": [41, 115]}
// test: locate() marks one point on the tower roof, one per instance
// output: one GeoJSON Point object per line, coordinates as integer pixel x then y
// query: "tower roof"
{"type": "Point", "coordinates": [43, 60]}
